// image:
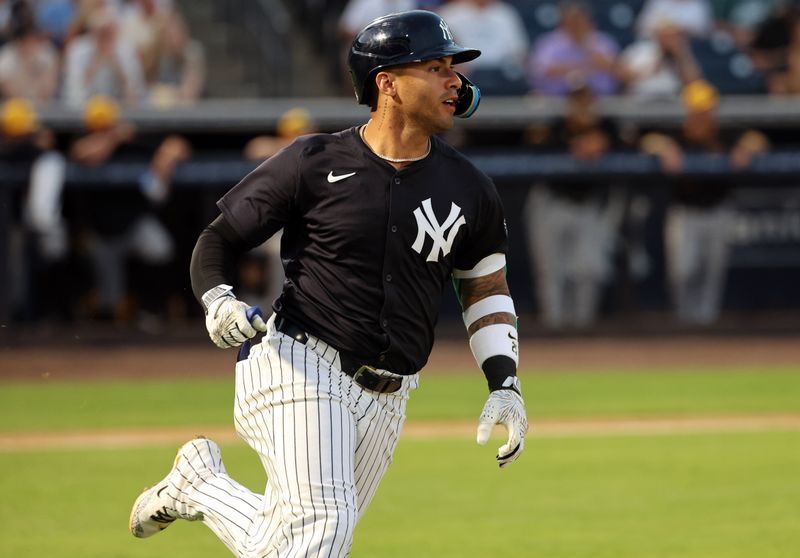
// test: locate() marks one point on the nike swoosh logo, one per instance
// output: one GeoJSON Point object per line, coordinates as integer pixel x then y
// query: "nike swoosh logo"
{"type": "Point", "coordinates": [334, 178]}
{"type": "Point", "coordinates": [511, 336]}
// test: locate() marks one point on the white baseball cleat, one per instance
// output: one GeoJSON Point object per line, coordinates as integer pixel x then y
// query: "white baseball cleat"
{"type": "Point", "coordinates": [157, 507]}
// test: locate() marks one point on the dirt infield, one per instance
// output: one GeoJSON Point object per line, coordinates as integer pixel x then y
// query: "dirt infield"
{"type": "Point", "coordinates": [203, 360]}
{"type": "Point", "coordinates": [544, 428]}
{"type": "Point", "coordinates": [554, 355]}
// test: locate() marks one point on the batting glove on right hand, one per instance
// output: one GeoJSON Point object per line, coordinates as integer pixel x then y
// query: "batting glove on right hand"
{"type": "Point", "coordinates": [227, 322]}
{"type": "Point", "coordinates": [506, 407]}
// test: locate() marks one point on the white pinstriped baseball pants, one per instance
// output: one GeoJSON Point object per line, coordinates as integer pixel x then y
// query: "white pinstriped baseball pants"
{"type": "Point", "coordinates": [324, 442]}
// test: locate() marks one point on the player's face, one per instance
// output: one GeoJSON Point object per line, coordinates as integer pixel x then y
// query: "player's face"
{"type": "Point", "coordinates": [428, 92]}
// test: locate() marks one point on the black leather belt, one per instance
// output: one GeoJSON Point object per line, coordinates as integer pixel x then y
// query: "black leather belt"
{"type": "Point", "coordinates": [363, 375]}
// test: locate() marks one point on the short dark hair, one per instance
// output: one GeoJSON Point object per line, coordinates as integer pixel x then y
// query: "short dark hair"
{"type": "Point", "coordinates": [581, 5]}
{"type": "Point", "coordinates": [22, 20]}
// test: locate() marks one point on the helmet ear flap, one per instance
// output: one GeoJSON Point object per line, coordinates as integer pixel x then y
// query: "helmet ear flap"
{"type": "Point", "coordinates": [469, 97]}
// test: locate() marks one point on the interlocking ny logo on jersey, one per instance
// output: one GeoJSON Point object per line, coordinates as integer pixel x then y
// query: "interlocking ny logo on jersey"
{"type": "Point", "coordinates": [428, 225]}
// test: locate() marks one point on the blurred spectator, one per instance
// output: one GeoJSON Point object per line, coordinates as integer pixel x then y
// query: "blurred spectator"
{"type": "Point", "coordinates": [123, 224]}
{"type": "Point", "coordinates": [84, 10]}
{"type": "Point", "coordinates": [55, 18]}
{"type": "Point", "coordinates": [41, 235]}
{"type": "Point", "coordinates": [180, 71]}
{"type": "Point", "coordinates": [693, 17]}
{"type": "Point", "coordinates": [788, 82]}
{"type": "Point", "coordinates": [292, 124]}
{"type": "Point", "coordinates": [5, 18]}
{"type": "Point", "coordinates": [493, 27]}
{"type": "Point", "coordinates": [740, 18]}
{"type": "Point", "coordinates": [358, 13]}
{"type": "Point", "coordinates": [774, 49]}
{"type": "Point", "coordinates": [261, 272]}
{"type": "Point", "coordinates": [29, 77]}
{"type": "Point", "coordinates": [574, 53]}
{"type": "Point", "coordinates": [28, 61]}
{"type": "Point", "coordinates": [142, 23]}
{"type": "Point", "coordinates": [572, 226]}
{"type": "Point", "coordinates": [698, 225]}
{"type": "Point", "coordinates": [100, 62]}
{"type": "Point", "coordinates": [659, 66]}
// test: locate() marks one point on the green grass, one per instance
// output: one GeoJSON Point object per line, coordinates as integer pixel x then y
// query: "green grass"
{"type": "Point", "coordinates": [608, 394]}
{"type": "Point", "coordinates": [45, 405]}
{"type": "Point", "coordinates": [726, 495]}
{"type": "Point", "coordinates": [687, 496]}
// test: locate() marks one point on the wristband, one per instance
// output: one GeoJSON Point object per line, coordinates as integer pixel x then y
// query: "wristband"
{"type": "Point", "coordinates": [214, 293]}
{"type": "Point", "coordinates": [501, 373]}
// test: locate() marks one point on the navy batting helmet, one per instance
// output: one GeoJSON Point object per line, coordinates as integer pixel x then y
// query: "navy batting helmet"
{"type": "Point", "coordinates": [402, 38]}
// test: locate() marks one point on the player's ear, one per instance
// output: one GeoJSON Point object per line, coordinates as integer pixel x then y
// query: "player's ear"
{"type": "Point", "coordinates": [385, 83]}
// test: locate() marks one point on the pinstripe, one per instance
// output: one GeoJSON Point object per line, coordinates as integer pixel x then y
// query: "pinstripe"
{"type": "Point", "coordinates": [346, 469]}
{"type": "Point", "coordinates": [224, 479]}
{"type": "Point", "coordinates": [288, 488]}
{"type": "Point", "coordinates": [243, 410]}
{"type": "Point", "coordinates": [296, 446]}
{"type": "Point", "coordinates": [324, 442]}
{"type": "Point", "coordinates": [333, 459]}
{"type": "Point", "coordinates": [271, 461]}
{"type": "Point", "coordinates": [308, 454]}
{"type": "Point", "coordinates": [218, 518]}
{"type": "Point", "coordinates": [372, 431]}
{"type": "Point", "coordinates": [292, 407]}
{"type": "Point", "coordinates": [261, 440]}
{"type": "Point", "coordinates": [373, 456]}
{"type": "Point", "coordinates": [377, 468]}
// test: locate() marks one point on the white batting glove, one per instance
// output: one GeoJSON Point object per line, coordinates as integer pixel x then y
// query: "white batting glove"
{"type": "Point", "coordinates": [506, 407]}
{"type": "Point", "coordinates": [228, 324]}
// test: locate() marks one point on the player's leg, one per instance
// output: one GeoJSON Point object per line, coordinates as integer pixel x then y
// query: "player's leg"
{"type": "Point", "coordinates": [678, 245]}
{"type": "Point", "coordinates": [197, 488]}
{"type": "Point", "coordinates": [592, 254]}
{"type": "Point", "coordinates": [543, 243]}
{"type": "Point", "coordinates": [378, 433]}
{"type": "Point", "coordinates": [717, 231]}
{"type": "Point", "coordinates": [300, 419]}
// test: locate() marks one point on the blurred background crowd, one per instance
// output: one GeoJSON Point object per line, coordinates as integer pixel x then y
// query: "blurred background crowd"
{"type": "Point", "coordinates": [118, 134]}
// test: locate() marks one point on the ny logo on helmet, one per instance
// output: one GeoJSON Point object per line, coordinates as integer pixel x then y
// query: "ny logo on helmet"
{"type": "Point", "coordinates": [446, 34]}
{"type": "Point", "coordinates": [428, 225]}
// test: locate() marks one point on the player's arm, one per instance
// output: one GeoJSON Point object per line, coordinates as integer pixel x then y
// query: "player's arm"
{"type": "Point", "coordinates": [211, 270]}
{"type": "Point", "coordinates": [251, 212]}
{"type": "Point", "coordinates": [491, 320]}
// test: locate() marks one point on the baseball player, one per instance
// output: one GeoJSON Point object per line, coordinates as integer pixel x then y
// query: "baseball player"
{"type": "Point", "coordinates": [377, 219]}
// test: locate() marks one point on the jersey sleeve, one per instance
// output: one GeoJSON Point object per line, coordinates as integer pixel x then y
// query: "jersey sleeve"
{"type": "Point", "coordinates": [488, 235]}
{"type": "Point", "coordinates": [262, 202]}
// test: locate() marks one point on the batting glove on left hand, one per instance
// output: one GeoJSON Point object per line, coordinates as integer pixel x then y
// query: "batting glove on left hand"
{"type": "Point", "coordinates": [506, 407]}
{"type": "Point", "coordinates": [228, 324]}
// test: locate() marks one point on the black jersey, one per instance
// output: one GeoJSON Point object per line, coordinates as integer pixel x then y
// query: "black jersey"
{"type": "Point", "coordinates": [368, 248]}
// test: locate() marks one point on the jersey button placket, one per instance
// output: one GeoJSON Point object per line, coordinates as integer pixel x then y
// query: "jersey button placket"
{"type": "Point", "coordinates": [384, 321]}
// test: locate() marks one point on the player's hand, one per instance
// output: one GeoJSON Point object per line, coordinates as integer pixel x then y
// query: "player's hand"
{"type": "Point", "coordinates": [506, 407]}
{"type": "Point", "coordinates": [229, 323]}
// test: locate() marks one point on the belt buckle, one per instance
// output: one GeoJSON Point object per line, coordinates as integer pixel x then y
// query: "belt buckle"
{"type": "Point", "coordinates": [363, 370]}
